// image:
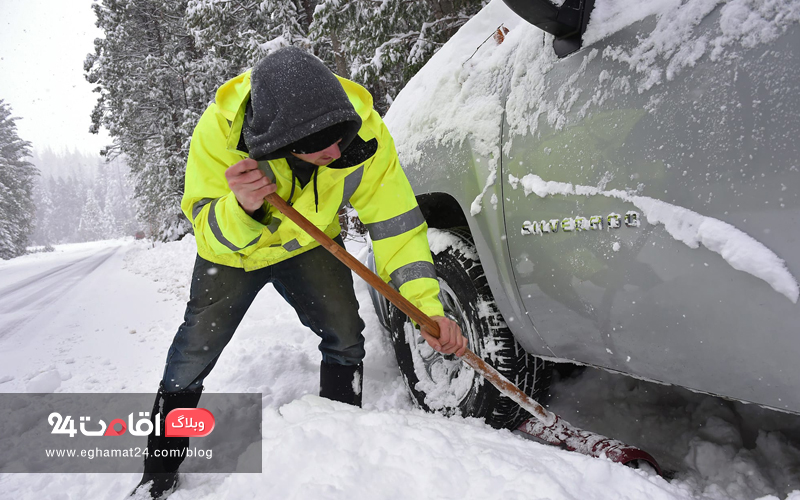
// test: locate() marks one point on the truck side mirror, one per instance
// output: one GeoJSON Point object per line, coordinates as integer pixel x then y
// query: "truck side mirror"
{"type": "Point", "coordinates": [567, 23]}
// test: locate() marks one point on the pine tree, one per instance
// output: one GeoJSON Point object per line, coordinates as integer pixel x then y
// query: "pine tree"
{"type": "Point", "coordinates": [62, 233]}
{"type": "Point", "coordinates": [61, 197]}
{"type": "Point", "coordinates": [70, 202]}
{"type": "Point", "coordinates": [333, 22]}
{"type": "Point", "coordinates": [143, 70]}
{"type": "Point", "coordinates": [113, 195]}
{"type": "Point", "coordinates": [287, 27]}
{"type": "Point", "coordinates": [230, 34]}
{"type": "Point", "coordinates": [92, 227]}
{"type": "Point", "coordinates": [161, 61]}
{"type": "Point", "coordinates": [235, 34]}
{"type": "Point", "coordinates": [46, 224]}
{"type": "Point", "coordinates": [17, 177]}
{"type": "Point", "coordinates": [383, 44]}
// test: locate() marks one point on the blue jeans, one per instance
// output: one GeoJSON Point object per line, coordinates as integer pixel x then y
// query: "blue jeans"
{"type": "Point", "coordinates": [314, 283]}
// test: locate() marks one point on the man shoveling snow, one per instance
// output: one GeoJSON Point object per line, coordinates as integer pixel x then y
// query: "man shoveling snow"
{"type": "Point", "coordinates": [289, 126]}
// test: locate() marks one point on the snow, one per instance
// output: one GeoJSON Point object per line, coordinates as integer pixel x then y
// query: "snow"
{"type": "Point", "coordinates": [740, 250]}
{"type": "Point", "coordinates": [111, 331]}
{"type": "Point", "coordinates": [451, 82]}
{"type": "Point", "coordinates": [107, 328]}
{"type": "Point", "coordinates": [461, 82]}
{"type": "Point", "coordinates": [439, 241]}
{"type": "Point", "coordinates": [675, 43]}
{"type": "Point", "coordinates": [712, 441]}
{"type": "Point", "coordinates": [442, 389]}
{"type": "Point", "coordinates": [45, 382]}
{"type": "Point", "coordinates": [456, 99]}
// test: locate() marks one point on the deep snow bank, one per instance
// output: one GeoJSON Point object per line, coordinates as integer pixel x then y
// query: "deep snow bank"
{"type": "Point", "coordinates": [314, 448]}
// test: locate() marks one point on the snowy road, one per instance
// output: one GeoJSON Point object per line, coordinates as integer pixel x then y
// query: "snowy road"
{"type": "Point", "coordinates": [27, 291]}
{"type": "Point", "coordinates": [107, 324]}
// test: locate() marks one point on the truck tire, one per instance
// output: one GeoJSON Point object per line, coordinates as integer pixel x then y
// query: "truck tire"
{"type": "Point", "coordinates": [442, 383]}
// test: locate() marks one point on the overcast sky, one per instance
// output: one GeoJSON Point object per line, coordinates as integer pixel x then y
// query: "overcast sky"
{"type": "Point", "coordinates": [43, 44]}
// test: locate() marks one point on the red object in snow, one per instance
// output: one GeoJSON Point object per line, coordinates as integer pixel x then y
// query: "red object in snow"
{"type": "Point", "coordinates": [562, 434]}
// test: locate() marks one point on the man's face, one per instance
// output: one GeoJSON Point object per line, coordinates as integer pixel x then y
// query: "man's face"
{"type": "Point", "coordinates": [323, 157]}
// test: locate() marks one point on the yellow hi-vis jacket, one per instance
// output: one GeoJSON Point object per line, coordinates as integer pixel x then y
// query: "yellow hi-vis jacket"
{"type": "Point", "coordinates": [375, 186]}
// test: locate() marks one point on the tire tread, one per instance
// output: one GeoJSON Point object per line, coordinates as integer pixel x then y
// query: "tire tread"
{"type": "Point", "coordinates": [531, 374]}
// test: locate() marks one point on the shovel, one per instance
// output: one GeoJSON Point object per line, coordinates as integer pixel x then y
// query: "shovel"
{"type": "Point", "coordinates": [544, 425]}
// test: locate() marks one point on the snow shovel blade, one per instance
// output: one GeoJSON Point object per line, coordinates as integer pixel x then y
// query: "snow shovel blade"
{"type": "Point", "coordinates": [552, 429]}
{"type": "Point", "coordinates": [545, 425]}
{"type": "Point", "coordinates": [564, 435]}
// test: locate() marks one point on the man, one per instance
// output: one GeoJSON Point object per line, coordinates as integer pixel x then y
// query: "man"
{"type": "Point", "coordinates": [290, 126]}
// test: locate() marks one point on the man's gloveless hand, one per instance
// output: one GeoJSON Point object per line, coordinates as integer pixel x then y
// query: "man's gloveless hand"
{"type": "Point", "coordinates": [249, 184]}
{"type": "Point", "coordinates": [450, 341]}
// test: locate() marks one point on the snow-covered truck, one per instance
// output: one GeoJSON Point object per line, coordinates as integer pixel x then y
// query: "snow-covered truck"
{"type": "Point", "coordinates": [612, 183]}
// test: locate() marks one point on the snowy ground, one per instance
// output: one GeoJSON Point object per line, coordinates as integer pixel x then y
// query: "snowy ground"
{"type": "Point", "coordinates": [106, 328]}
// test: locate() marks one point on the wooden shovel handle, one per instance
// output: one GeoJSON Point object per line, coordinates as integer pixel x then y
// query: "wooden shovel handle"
{"type": "Point", "coordinates": [498, 380]}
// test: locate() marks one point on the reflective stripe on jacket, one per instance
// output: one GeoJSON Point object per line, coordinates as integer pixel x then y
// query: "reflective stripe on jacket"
{"type": "Point", "coordinates": [375, 185]}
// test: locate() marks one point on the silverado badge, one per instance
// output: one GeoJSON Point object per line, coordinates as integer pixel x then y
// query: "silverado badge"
{"type": "Point", "coordinates": [577, 224]}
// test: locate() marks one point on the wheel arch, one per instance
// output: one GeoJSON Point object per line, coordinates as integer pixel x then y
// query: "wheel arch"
{"type": "Point", "coordinates": [443, 211]}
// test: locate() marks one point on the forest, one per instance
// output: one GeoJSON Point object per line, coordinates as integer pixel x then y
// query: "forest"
{"type": "Point", "coordinates": [161, 61]}
{"type": "Point", "coordinates": [155, 71]}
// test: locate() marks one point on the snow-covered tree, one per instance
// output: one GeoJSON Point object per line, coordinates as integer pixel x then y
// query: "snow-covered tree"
{"type": "Point", "coordinates": [93, 225]}
{"type": "Point", "coordinates": [288, 23]}
{"type": "Point", "coordinates": [17, 177]}
{"type": "Point", "coordinates": [67, 194]}
{"type": "Point", "coordinates": [230, 35]}
{"type": "Point", "coordinates": [62, 198]}
{"type": "Point", "coordinates": [383, 44]}
{"type": "Point", "coordinates": [144, 71]}
{"type": "Point", "coordinates": [46, 222]}
{"type": "Point", "coordinates": [161, 61]}
{"type": "Point", "coordinates": [234, 34]}
{"type": "Point", "coordinates": [333, 22]}
{"type": "Point", "coordinates": [114, 195]}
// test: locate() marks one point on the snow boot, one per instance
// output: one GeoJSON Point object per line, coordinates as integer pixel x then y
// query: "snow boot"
{"type": "Point", "coordinates": [158, 485]}
{"type": "Point", "coordinates": [341, 382]}
{"type": "Point", "coordinates": [161, 472]}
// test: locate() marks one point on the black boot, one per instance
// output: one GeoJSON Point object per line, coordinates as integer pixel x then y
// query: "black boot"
{"type": "Point", "coordinates": [341, 382]}
{"type": "Point", "coordinates": [161, 472]}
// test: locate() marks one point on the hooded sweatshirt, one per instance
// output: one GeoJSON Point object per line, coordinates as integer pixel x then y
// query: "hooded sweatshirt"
{"type": "Point", "coordinates": [368, 176]}
{"type": "Point", "coordinates": [293, 96]}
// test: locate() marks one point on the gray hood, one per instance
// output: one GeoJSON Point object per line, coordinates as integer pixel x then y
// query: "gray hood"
{"type": "Point", "coordinates": [294, 95]}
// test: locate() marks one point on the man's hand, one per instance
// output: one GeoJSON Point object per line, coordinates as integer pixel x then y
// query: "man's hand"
{"type": "Point", "coordinates": [249, 184]}
{"type": "Point", "coordinates": [450, 341]}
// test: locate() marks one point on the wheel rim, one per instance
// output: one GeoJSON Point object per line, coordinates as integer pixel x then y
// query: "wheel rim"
{"type": "Point", "coordinates": [445, 380]}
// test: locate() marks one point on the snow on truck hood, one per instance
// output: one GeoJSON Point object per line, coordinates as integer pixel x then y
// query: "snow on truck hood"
{"type": "Point", "coordinates": [456, 97]}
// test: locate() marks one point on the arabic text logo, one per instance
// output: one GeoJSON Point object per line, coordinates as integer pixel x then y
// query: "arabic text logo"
{"type": "Point", "coordinates": [180, 422]}
{"type": "Point", "coordinates": [189, 422]}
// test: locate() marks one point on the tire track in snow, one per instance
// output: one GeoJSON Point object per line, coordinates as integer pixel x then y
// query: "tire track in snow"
{"type": "Point", "coordinates": [26, 300]}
